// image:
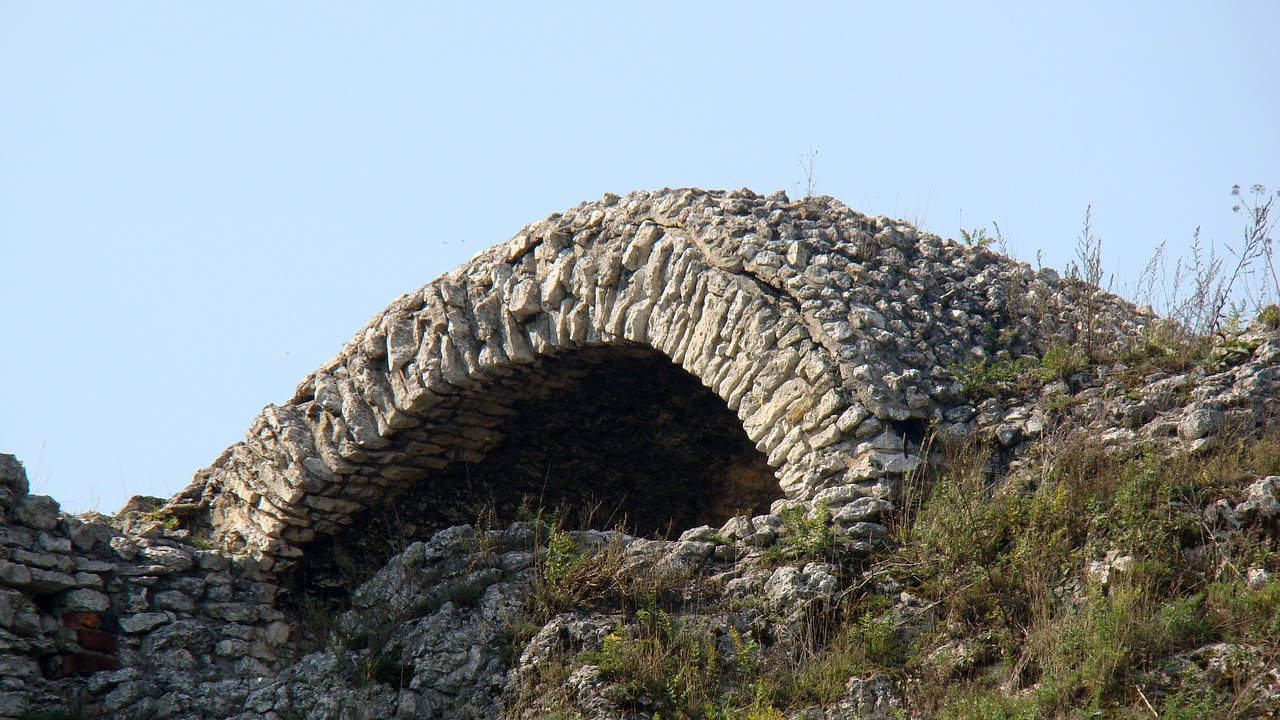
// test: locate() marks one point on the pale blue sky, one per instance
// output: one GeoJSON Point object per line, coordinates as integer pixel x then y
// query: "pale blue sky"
{"type": "Point", "coordinates": [199, 203]}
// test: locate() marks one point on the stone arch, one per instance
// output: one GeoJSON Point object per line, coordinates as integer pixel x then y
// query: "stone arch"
{"type": "Point", "coordinates": [606, 436]}
{"type": "Point", "coordinates": [817, 326]}
{"type": "Point", "coordinates": [615, 432]}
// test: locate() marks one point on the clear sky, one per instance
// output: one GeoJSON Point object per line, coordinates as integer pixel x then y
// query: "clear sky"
{"type": "Point", "coordinates": [200, 202]}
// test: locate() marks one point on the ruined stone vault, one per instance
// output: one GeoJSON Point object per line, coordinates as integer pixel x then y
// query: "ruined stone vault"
{"type": "Point", "coordinates": [823, 335]}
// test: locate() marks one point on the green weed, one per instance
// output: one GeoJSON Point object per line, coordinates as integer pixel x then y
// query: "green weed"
{"type": "Point", "coordinates": [805, 534]}
{"type": "Point", "coordinates": [983, 378]}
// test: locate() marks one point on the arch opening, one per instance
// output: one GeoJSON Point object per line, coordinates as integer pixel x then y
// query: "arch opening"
{"type": "Point", "coordinates": [607, 436]}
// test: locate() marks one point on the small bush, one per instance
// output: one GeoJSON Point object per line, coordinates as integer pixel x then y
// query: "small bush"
{"type": "Point", "coordinates": [1269, 316]}
{"type": "Point", "coordinates": [805, 534]}
{"type": "Point", "coordinates": [465, 594]}
{"type": "Point", "coordinates": [1245, 615]}
{"type": "Point", "coordinates": [384, 667]}
{"type": "Point", "coordinates": [1189, 705]}
{"type": "Point", "coordinates": [317, 622]}
{"type": "Point", "coordinates": [566, 576]}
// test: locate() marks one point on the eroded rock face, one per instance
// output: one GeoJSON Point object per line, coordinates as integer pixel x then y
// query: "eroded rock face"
{"type": "Point", "coordinates": [818, 327]}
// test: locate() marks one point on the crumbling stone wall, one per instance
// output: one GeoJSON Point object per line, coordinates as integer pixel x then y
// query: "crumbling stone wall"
{"type": "Point", "coordinates": [820, 328]}
{"type": "Point", "coordinates": [83, 598]}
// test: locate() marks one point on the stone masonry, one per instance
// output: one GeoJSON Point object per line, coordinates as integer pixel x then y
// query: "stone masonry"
{"type": "Point", "coordinates": [827, 332]}
{"type": "Point", "coordinates": [86, 606]}
{"type": "Point", "coordinates": [830, 340]}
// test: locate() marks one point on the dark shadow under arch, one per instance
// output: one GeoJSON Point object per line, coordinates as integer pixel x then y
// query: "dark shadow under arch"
{"type": "Point", "coordinates": [608, 436]}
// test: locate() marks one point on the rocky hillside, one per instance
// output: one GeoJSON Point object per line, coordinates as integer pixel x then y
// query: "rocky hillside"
{"type": "Point", "coordinates": [844, 469]}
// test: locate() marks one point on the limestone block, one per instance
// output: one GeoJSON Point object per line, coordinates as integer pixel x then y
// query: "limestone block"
{"type": "Point", "coordinates": [676, 335]}
{"type": "Point", "coordinates": [1262, 502]}
{"type": "Point", "coordinates": [373, 342]}
{"type": "Point", "coordinates": [488, 313]}
{"type": "Point", "coordinates": [839, 496]}
{"type": "Point", "coordinates": [541, 338]}
{"type": "Point", "coordinates": [826, 437]}
{"type": "Point", "coordinates": [636, 324]}
{"type": "Point", "coordinates": [452, 365]}
{"type": "Point", "coordinates": [514, 343]}
{"type": "Point", "coordinates": [557, 279]}
{"type": "Point", "coordinates": [13, 475]}
{"type": "Point", "coordinates": [735, 377]}
{"type": "Point", "coordinates": [50, 561]}
{"type": "Point", "coordinates": [785, 446]}
{"type": "Point", "coordinates": [47, 582]}
{"type": "Point", "coordinates": [36, 511]}
{"type": "Point", "coordinates": [862, 509]}
{"type": "Point", "coordinates": [269, 525]}
{"type": "Point", "coordinates": [680, 273]}
{"type": "Point", "coordinates": [655, 278]}
{"type": "Point", "coordinates": [627, 295]}
{"type": "Point", "coordinates": [359, 417]}
{"type": "Point", "coordinates": [402, 343]}
{"type": "Point", "coordinates": [85, 600]}
{"type": "Point", "coordinates": [490, 360]}
{"type": "Point", "coordinates": [637, 252]}
{"type": "Point", "coordinates": [777, 405]}
{"type": "Point", "coordinates": [799, 450]}
{"type": "Point", "coordinates": [144, 622]}
{"type": "Point", "coordinates": [580, 325]}
{"type": "Point", "coordinates": [560, 320]}
{"type": "Point", "coordinates": [169, 557]}
{"type": "Point", "coordinates": [887, 442]}
{"type": "Point", "coordinates": [173, 601]}
{"type": "Point", "coordinates": [778, 371]}
{"type": "Point", "coordinates": [14, 575]}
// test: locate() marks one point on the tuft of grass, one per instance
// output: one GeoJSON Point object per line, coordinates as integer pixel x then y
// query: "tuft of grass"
{"type": "Point", "coordinates": [1004, 559]}
{"type": "Point", "coordinates": [987, 704]}
{"type": "Point", "coordinates": [1060, 362]}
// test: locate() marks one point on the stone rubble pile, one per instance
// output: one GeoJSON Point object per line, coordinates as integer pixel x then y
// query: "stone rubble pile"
{"type": "Point", "coordinates": [1161, 411]}
{"type": "Point", "coordinates": [428, 634]}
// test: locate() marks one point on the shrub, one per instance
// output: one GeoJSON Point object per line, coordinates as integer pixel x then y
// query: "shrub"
{"type": "Point", "coordinates": [1190, 705]}
{"type": "Point", "coordinates": [1269, 316]}
{"type": "Point", "coordinates": [805, 534]}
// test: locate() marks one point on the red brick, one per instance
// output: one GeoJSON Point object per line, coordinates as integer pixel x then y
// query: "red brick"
{"type": "Point", "coordinates": [96, 640]}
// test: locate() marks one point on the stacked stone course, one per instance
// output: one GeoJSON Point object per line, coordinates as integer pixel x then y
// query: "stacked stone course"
{"type": "Point", "coordinates": [80, 597]}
